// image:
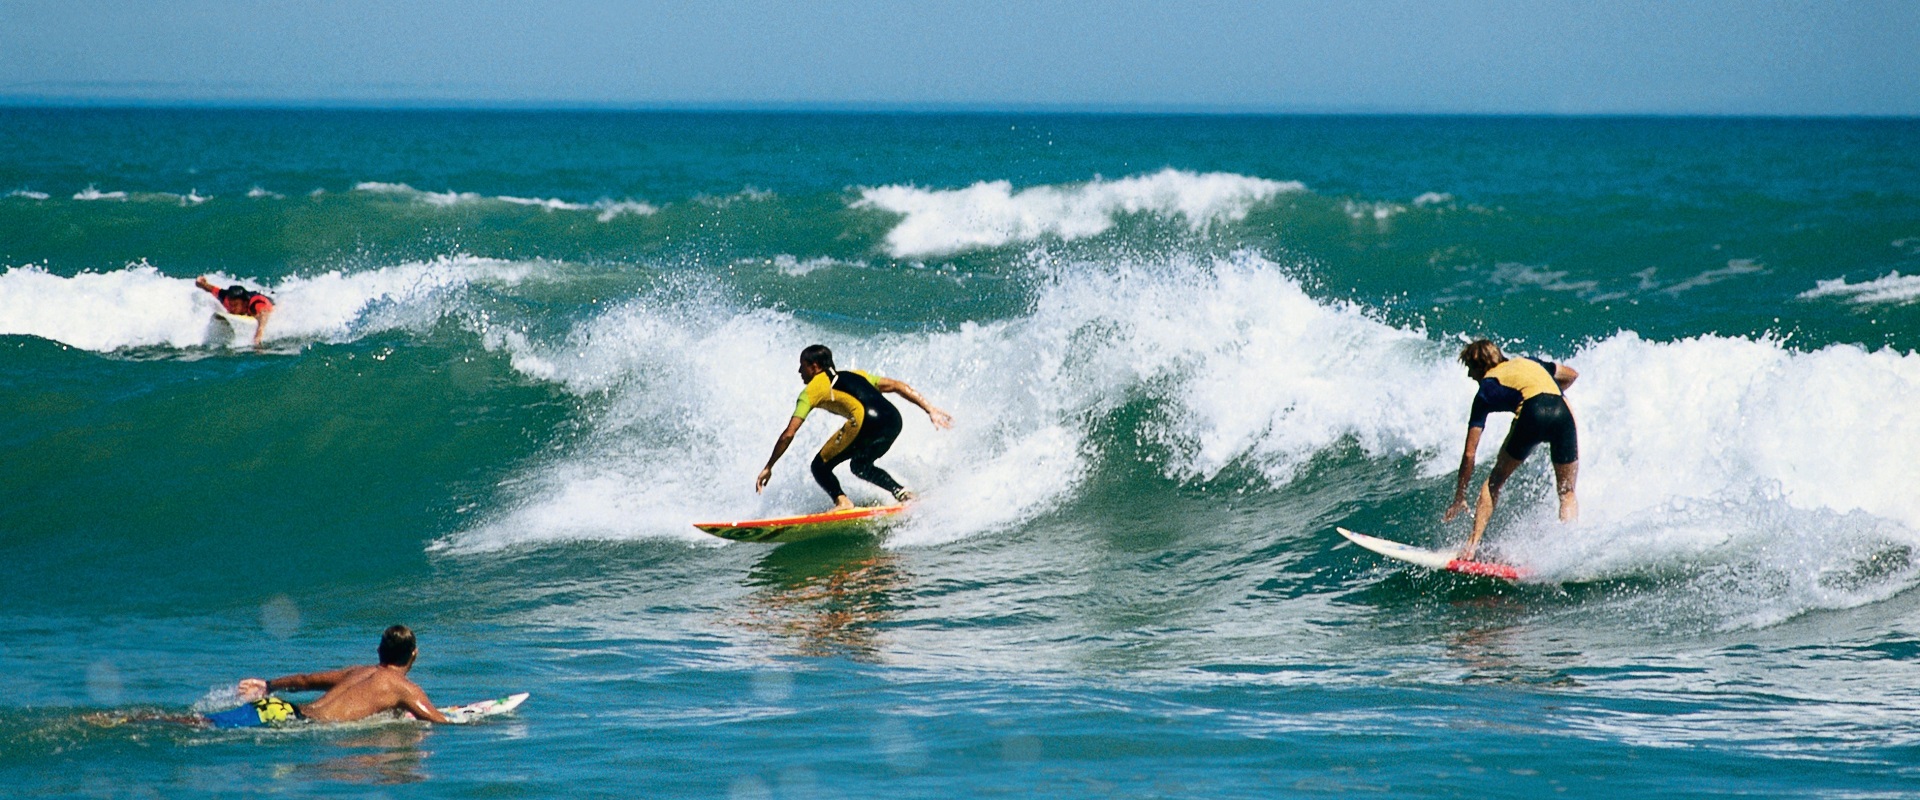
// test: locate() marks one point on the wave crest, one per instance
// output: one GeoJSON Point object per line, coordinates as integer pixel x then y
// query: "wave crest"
{"type": "Point", "coordinates": [992, 214]}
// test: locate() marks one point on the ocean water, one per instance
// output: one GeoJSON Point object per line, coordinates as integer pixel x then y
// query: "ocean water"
{"type": "Point", "coordinates": [516, 354]}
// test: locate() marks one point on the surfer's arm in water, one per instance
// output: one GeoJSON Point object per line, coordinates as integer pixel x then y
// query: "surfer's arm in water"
{"type": "Point", "coordinates": [1459, 505]}
{"type": "Point", "coordinates": [414, 701]}
{"type": "Point", "coordinates": [939, 418]}
{"type": "Point", "coordinates": [260, 324]}
{"type": "Point", "coordinates": [779, 449]}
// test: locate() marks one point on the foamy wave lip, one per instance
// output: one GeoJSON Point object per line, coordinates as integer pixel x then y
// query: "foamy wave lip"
{"type": "Point", "coordinates": [338, 305]}
{"type": "Point", "coordinates": [1893, 288]}
{"type": "Point", "coordinates": [28, 194]}
{"type": "Point", "coordinates": [992, 214]}
{"type": "Point", "coordinates": [1703, 452]}
{"type": "Point", "coordinates": [608, 209]}
{"type": "Point", "coordinates": [140, 307]}
{"type": "Point", "coordinates": [92, 193]}
{"type": "Point", "coordinates": [658, 458]}
{"type": "Point", "coordinates": [1097, 337]}
{"type": "Point", "coordinates": [132, 307]}
{"type": "Point", "coordinates": [549, 204]}
{"type": "Point", "coordinates": [747, 195]}
{"type": "Point", "coordinates": [418, 196]}
{"type": "Point", "coordinates": [191, 198]}
{"type": "Point", "coordinates": [258, 193]}
{"type": "Point", "coordinates": [793, 267]}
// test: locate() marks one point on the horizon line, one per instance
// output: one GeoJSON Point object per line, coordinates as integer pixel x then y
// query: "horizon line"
{"type": "Point", "coordinates": [25, 101]}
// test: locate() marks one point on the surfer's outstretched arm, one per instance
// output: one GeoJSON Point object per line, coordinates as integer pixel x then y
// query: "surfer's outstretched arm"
{"type": "Point", "coordinates": [255, 688]}
{"type": "Point", "coordinates": [1565, 376]}
{"type": "Point", "coordinates": [939, 418]}
{"type": "Point", "coordinates": [779, 449]}
{"type": "Point", "coordinates": [1459, 505]}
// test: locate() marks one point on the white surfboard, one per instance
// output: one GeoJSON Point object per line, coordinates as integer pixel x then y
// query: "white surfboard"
{"type": "Point", "coordinates": [460, 715]}
{"type": "Point", "coordinates": [241, 325]}
{"type": "Point", "coordinates": [1433, 559]}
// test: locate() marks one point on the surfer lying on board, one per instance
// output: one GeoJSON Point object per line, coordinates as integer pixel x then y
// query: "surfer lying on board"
{"type": "Point", "coordinates": [1531, 390]}
{"type": "Point", "coordinates": [872, 424]}
{"type": "Point", "coordinates": [351, 693]}
{"type": "Point", "coordinates": [241, 302]}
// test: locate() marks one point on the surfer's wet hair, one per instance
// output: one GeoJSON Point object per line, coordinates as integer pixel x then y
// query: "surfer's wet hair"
{"type": "Point", "coordinates": [396, 646]}
{"type": "Point", "coordinates": [1481, 354]}
{"type": "Point", "coordinates": [817, 355]}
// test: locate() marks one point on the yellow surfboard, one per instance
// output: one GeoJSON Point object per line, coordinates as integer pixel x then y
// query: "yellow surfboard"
{"type": "Point", "coordinates": [805, 526]}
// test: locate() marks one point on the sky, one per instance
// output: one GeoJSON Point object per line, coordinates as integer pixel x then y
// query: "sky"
{"type": "Point", "coordinates": [1713, 57]}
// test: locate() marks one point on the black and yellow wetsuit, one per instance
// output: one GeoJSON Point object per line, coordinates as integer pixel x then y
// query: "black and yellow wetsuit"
{"type": "Point", "coordinates": [1525, 387]}
{"type": "Point", "coordinates": [872, 425]}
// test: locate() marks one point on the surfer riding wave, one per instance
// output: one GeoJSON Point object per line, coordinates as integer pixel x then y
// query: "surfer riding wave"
{"type": "Point", "coordinates": [1531, 390]}
{"type": "Point", "coordinates": [871, 427]}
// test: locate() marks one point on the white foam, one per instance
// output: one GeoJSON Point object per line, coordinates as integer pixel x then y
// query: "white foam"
{"type": "Point", "coordinates": [1432, 199]}
{"type": "Point", "coordinates": [611, 209]}
{"type": "Point", "coordinates": [28, 194]}
{"type": "Point", "coordinates": [416, 195]}
{"type": "Point", "coordinates": [1734, 268]}
{"type": "Point", "coordinates": [992, 214]}
{"type": "Point", "coordinates": [794, 267]}
{"type": "Point", "coordinates": [549, 204]}
{"type": "Point", "coordinates": [131, 307]}
{"type": "Point", "coordinates": [1712, 417]}
{"type": "Point", "coordinates": [1707, 451]}
{"type": "Point", "coordinates": [140, 307]}
{"type": "Point", "coordinates": [259, 193]}
{"type": "Point", "coordinates": [1022, 393]}
{"type": "Point", "coordinates": [91, 193]}
{"type": "Point", "coordinates": [607, 210]}
{"type": "Point", "coordinates": [1893, 288]}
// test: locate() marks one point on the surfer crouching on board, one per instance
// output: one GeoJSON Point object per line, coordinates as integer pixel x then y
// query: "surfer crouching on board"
{"type": "Point", "coordinates": [872, 424]}
{"type": "Point", "coordinates": [241, 302]}
{"type": "Point", "coordinates": [351, 693]}
{"type": "Point", "coordinates": [1531, 390]}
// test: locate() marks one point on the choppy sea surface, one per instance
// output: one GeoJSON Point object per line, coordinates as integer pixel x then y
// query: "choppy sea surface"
{"type": "Point", "coordinates": [516, 354]}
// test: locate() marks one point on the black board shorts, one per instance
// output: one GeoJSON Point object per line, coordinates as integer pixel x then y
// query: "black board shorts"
{"type": "Point", "coordinates": [1544, 418]}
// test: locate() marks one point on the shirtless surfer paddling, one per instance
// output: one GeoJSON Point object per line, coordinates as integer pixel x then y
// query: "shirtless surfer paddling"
{"type": "Point", "coordinates": [352, 693]}
{"type": "Point", "coordinates": [872, 424]}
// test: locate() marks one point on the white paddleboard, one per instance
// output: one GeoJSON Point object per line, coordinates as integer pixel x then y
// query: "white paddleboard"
{"type": "Point", "coordinates": [1432, 559]}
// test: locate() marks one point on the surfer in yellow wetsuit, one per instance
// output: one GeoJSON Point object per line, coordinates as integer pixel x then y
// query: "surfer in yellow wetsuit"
{"type": "Point", "coordinates": [872, 424]}
{"type": "Point", "coordinates": [1531, 390]}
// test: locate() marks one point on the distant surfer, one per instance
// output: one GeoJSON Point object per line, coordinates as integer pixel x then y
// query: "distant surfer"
{"type": "Point", "coordinates": [1531, 390]}
{"type": "Point", "coordinates": [241, 302]}
{"type": "Point", "coordinates": [872, 424]}
{"type": "Point", "coordinates": [351, 693]}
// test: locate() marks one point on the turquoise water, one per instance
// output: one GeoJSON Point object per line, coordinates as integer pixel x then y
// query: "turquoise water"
{"type": "Point", "coordinates": [516, 354]}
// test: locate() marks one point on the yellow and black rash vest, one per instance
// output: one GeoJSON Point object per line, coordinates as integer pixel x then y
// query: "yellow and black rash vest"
{"type": "Point", "coordinates": [848, 393]}
{"type": "Point", "coordinates": [1510, 384]}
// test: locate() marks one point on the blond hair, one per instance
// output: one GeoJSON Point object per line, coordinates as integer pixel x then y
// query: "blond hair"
{"type": "Point", "coordinates": [1481, 354]}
